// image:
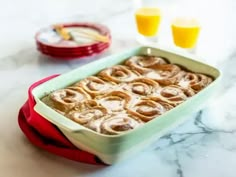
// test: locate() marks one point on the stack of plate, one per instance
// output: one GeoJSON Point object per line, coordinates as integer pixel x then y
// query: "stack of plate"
{"type": "Point", "coordinates": [86, 39]}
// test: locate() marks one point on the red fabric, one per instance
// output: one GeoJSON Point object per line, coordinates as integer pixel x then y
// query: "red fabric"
{"type": "Point", "coordinates": [45, 135]}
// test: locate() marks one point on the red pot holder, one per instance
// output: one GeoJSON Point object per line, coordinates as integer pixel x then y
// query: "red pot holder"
{"type": "Point", "coordinates": [45, 135]}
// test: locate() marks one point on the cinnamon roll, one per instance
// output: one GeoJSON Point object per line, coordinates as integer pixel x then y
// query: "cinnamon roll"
{"type": "Point", "coordinates": [142, 87]}
{"type": "Point", "coordinates": [166, 74]}
{"type": "Point", "coordinates": [87, 111]}
{"type": "Point", "coordinates": [118, 74]}
{"type": "Point", "coordinates": [148, 109]}
{"type": "Point", "coordinates": [142, 64]}
{"type": "Point", "coordinates": [64, 100]}
{"type": "Point", "coordinates": [95, 86]}
{"type": "Point", "coordinates": [173, 95]}
{"type": "Point", "coordinates": [115, 101]}
{"type": "Point", "coordinates": [195, 81]}
{"type": "Point", "coordinates": [119, 124]}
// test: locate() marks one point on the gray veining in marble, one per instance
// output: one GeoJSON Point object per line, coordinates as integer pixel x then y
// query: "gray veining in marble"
{"type": "Point", "coordinates": [203, 146]}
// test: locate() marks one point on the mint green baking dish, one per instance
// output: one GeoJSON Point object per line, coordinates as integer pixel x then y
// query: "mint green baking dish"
{"type": "Point", "coordinates": [114, 148]}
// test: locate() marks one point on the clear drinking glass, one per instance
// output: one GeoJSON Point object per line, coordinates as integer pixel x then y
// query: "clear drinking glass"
{"type": "Point", "coordinates": [185, 33]}
{"type": "Point", "coordinates": [148, 19]}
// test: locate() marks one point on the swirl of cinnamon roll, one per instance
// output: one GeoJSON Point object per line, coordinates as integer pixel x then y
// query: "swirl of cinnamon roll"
{"type": "Point", "coordinates": [95, 86]}
{"type": "Point", "coordinates": [173, 95]}
{"type": "Point", "coordinates": [195, 81]}
{"type": "Point", "coordinates": [119, 124]}
{"type": "Point", "coordinates": [147, 110]}
{"type": "Point", "coordinates": [142, 86]}
{"type": "Point", "coordinates": [166, 74]}
{"type": "Point", "coordinates": [142, 64]}
{"type": "Point", "coordinates": [115, 101]}
{"type": "Point", "coordinates": [64, 100]}
{"type": "Point", "coordinates": [87, 111]}
{"type": "Point", "coordinates": [118, 74]}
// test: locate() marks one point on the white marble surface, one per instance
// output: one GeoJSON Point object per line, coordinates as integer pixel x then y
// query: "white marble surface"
{"type": "Point", "coordinates": [204, 146]}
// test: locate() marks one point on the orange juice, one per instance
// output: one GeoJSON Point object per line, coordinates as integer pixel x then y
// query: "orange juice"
{"type": "Point", "coordinates": [185, 32]}
{"type": "Point", "coordinates": [148, 21]}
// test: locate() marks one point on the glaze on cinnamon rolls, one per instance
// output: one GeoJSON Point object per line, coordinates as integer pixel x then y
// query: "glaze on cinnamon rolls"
{"type": "Point", "coordinates": [118, 74]}
{"type": "Point", "coordinates": [142, 64]}
{"type": "Point", "coordinates": [147, 110]}
{"type": "Point", "coordinates": [166, 74]}
{"type": "Point", "coordinates": [95, 86]}
{"type": "Point", "coordinates": [123, 97]}
{"type": "Point", "coordinates": [194, 81]}
{"type": "Point", "coordinates": [65, 99]}
{"type": "Point", "coordinates": [119, 124]}
{"type": "Point", "coordinates": [115, 101]}
{"type": "Point", "coordinates": [173, 95]}
{"type": "Point", "coordinates": [87, 111]}
{"type": "Point", "coordinates": [142, 87]}
{"type": "Point", "coordinates": [95, 124]}
{"type": "Point", "coordinates": [114, 124]}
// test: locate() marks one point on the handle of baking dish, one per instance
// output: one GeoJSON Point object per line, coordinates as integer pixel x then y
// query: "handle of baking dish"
{"type": "Point", "coordinates": [57, 119]}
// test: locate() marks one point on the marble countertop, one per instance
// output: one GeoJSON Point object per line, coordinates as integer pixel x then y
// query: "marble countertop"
{"type": "Point", "coordinates": [203, 146]}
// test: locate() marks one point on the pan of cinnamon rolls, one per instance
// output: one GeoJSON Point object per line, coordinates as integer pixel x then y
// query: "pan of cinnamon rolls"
{"type": "Point", "coordinates": [126, 96]}
{"type": "Point", "coordinates": [118, 105]}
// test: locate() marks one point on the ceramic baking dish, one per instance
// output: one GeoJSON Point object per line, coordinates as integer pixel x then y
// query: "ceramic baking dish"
{"type": "Point", "coordinates": [113, 148]}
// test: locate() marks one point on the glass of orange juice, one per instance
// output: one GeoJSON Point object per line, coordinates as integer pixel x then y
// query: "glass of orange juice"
{"type": "Point", "coordinates": [148, 21]}
{"type": "Point", "coordinates": [185, 32]}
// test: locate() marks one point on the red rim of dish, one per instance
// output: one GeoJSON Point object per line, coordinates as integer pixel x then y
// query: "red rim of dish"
{"type": "Point", "coordinates": [73, 57]}
{"type": "Point", "coordinates": [72, 54]}
{"type": "Point", "coordinates": [58, 52]}
{"type": "Point", "coordinates": [69, 54]}
{"type": "Point", "coordinates": [101, 28]}
{"type": "Point", "coordinates": [72, 50]}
